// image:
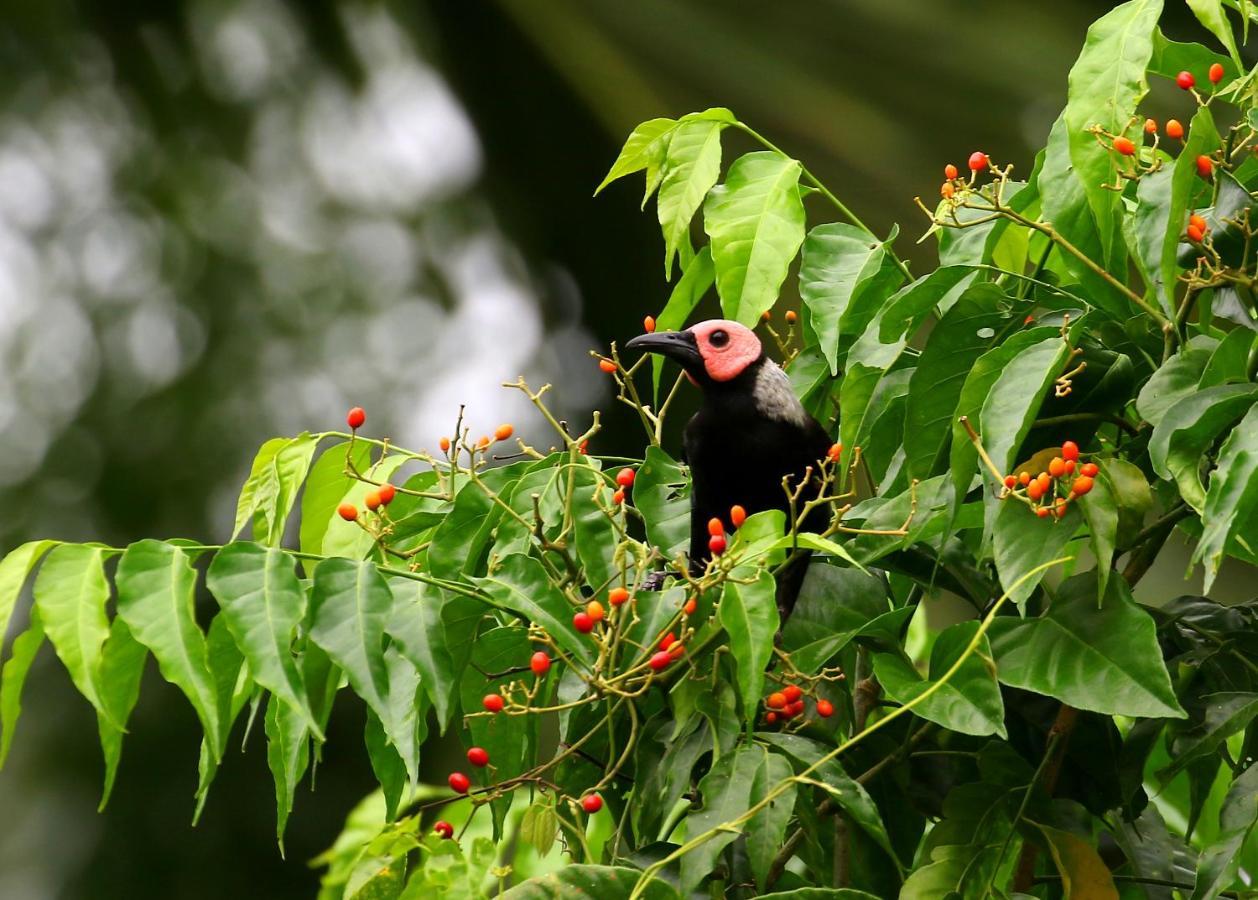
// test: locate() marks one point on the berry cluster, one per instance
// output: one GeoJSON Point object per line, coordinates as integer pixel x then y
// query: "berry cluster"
{"type": "Point", "coordinates": [786, 704]}
{"type": "Point", "coordinates": [1047, 493]}
{"type": "Point", "coordinates": [1197, 228]}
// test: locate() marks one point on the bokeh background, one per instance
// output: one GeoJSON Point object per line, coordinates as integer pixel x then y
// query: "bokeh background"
{"type": "Point", "coordinates": [223, 220]}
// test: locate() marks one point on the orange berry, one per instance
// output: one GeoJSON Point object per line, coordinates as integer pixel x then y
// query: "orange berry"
{"type": "Point", "coordinates": [792, 693]}
{"type": "Point", "coordinates": [607, 365]}
{"type": "Point", "coordinates": [372, 500]}
{"type": "Point", "coordinates": [776, 700]}
{"type": "Point", "coordinates": [1082, 485]}
{"type": "Point", "coordinates": [1057, 467]}
{"type": "Point", "coordinates": [1045, 480]}
{"type": "Point", "coordinates": [625, 477]}
{"type": "Point", "coordinates": [618, 497]}
{"type": "Point", "coordinates": [1070, 466]}
{"type": "Point", "coordinates": [483, 442]}
{"type": "Point", "coordinates": [1034, 491]}
{"type": "Point", "coordinates": [978, 161]}
{"type": "Point", "coordinates": [387, 492]}
{"type": "Point", "coordinates": [585, 446]}
{"type": "Point", "coordinates": [716, 527]}
{"type": "Point", "coordinates": [1024, 479]}
{"type": "Point", "coordinates": [444, 444]}
{"type": "Point", "coordinates": [1205, 166]}
{"type": "Point", "coordinates": [677, 650]}
{"type": "Point", "coordinates": [1216, 73]}
{"type": "Point", "coordinates": [791, 317]}
{"type": "Point", "coordinates": [737, 515]}
{"type": "Point", "coordinates": [1089, 469]}
{"type": "Point", "coordinates": [835, 451]}
{"type": "Point", "coordinates": [540, 663]}
{"type": "Point", "coordinates": [1070, 450]}
{"type": "Point", "coordinates": [503, 432]}
{"type": "Point", "coordinates": [716, 544]}
{"type": "Point", "coordinates": [946, 190]}
{"type": "Point", "coordinates": [648, 324]}
{"type": "Point", "coordinates": [1060, 510]}
{"type": "Point", "coordinates": [1201, 223]}
{"type": "Point", "coordinates": [1124, 146]}
{"type": "Point", "coordinates": [1186, 80]}
{"type": "Point", "coordinates": [825, 709]}
{"type": "Point", "coordinates": [1042, 512]}
{"type": "Point", "coordinates": [1010, 481]}
{"type": "Point", "coordinates": [1150, 126]}
{"type": "Point", "coordinates": [1195, 234]}
{"type": "Point", "coordinates": [356, 417]}
{"type": "Point", "coordinates": [766, 315]}
{"type": "Point", "coordinates": [595, 611]}
{"type": "Point", "coordinates": [617, 596]}
{"type": "Point", "coordinates": [347, 511]}
{"type": "Point", "coordinates": [950, 171]}
{"type": "Point", "coordinates": [1174, 129]}
{"type": "Point", "coordinates": [690, 607]}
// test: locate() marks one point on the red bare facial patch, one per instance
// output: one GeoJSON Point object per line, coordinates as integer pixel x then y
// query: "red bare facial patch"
{"type": "Point", "coordinates": [726, 347]}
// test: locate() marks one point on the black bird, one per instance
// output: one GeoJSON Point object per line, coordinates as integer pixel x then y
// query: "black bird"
{"type": "Point", "coordinates": [749, 433]}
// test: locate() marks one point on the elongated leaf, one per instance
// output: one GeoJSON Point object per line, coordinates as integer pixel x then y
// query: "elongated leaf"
{"type": "Point", "coordinates": [1203, 138]}
{"type": "Point", "coordinates": [232, 687]}
{"type": "Point", "coordinates": [348, 539]}
{"type": "Point", "coordinates": [70, 594]}
{"type": "Point", "coordinates": [840, 261]}
{"type": "Point", "coordinates": [418, 626]}
{"type": "Point", "coordinates": [14, 569]}
{"type": "Point", "coordinates": [694, 283]}
{"type": "Point", "coordinates": [643, 148]}
{"type": "Point", "coordinates": [1210, 14]}
{"type": "Point", "coordinates": [1175, 379]}
{"type": "Point", "coordinates": [287, 755]}
{"type": "Point", "coordinates": [350, 607]}
{"type": "Point", "coordinates": [386, 764]}
{"type": "Point", "coordinates": [268, 496]}
{"type": "Point", "coordinates": [661, 493]}
{"type": "Point", "coordinates": [520, 585]}
{"type": "Point", "coordinates": [593, 532]}
{"type": "Point", "coordinates": [691, 168]}
{"type": "Point", "coordinates": [1224, 714]}
{"type": "Point", "coordinates": [1100, 511]}
{"type": "Point", "coordinates": [1189, 427]}
{"type": "Point", "coordinates": [1021, 541]}
{"type": "Point", "coordinates": [262, 602]}
{"type": "Point", "coordinates": [259, 472]}
{"type": "Point", "coordinates": [767, 829]}
{"type": "Point", "coordinates": [121, 666]}
{"type": "Point", "coordinates": [590, 881]}
{"type": "Point", "coordinates": [326, 487]}
{"type": "Point", "coordinates": [1106, 85]}
{"type": "Point", "coordinates": [1232, 495]}
{"type": "Point", "coordinates": [1016, 397]}
{"type": "Point", "coordinates": [969, 702]}
{"type": "Point", "coordinates": [726, 791]}
{"type": "Point", "coordinates": [1237, 819]}
{"type": "Point", "coordinates": [1084, 875]}
{"type": "Point", "coordinates": [755, 222]}
{"type": "Point", "coordinates": [13, 679]}
{"type": "Point", "coordinates": [749, 615]}
{"type": "Point", "coordinates": [156, 593]}
{"type": "Point", "coordinates": [1105, 659]}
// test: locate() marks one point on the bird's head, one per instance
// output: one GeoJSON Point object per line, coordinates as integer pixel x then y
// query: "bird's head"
{"type": "Point", "coordinates": [717, 350]}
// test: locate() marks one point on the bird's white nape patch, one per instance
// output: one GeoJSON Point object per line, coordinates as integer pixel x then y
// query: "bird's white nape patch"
{"type": "Point", "coordinates": [774, 397]}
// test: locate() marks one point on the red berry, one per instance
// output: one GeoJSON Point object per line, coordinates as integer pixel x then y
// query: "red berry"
{"type": "Point", "coordinates": [716, 527]}
{"type": "Point", "coordinates": [978, 161]}
{"type": "Point", "coordinates": [617, 596]}
{"type": "Point", "coordinates": [792, 693]}
{"type": "Point", "coordinates": [1070, 466]}
{"type": "Point", "coordinates": [1124, 146]}
{"type": "Point", "coordinates": [387, 492]}
{"type": "Point", "coordinates": [660, 660]}
{"type": "Point", "coordinates": [459, 783]}
{"type": "Point", "coordinates": [372, 500]}
{"type": "Point", "coordinates": [1150, 126]}
{"type": "Point", "coordinates": [591, 803]}
{"type": "Point", "coordinates": [668, 640]}
{"type": "Point", "coordinates": [737, 516]}
{"type": "Point", "coordinates": [796, 708]}
{"type": "Point", "coordinates": [625, 477]}
{"type": "Point", "coordinates": [492, 702]}
{"type": "Point", "coordinates": [1057, 467]}
{"type": "Point", "coordinates": [1070, 450]}
{"type": "Point", "coordinates": [607, 365]}
{"type": "Point", "coordinates": [825, 709]}
{"type": "Point", "coordinates": [1195, 234]}
{"type": "Point", "coordinates": [1174, 129]}
{"type": "Point", "coordinates": [347, 511]}
{"type": "Point", "coordinates": [1060, 510]}
{"type": "Point", "coordinates": [478, 756]}
{"type": "Point", "coordinates": [648, 324]}
{"type": "Point", "coordinates": [771, 717]}
{"type": "Point", "coordinates": [595, 611]}
{"type": "Point", "coordinates": [540, 663]}
{"type": "Point", "coordinates": [1205, 166]}
{"type": "Point", "coordinates": [716, 544]}
{"type": "Point", "coordinates": [1089, 469]}
{"type": "Point", "coordinates": [1216, 73]}
{"type": "Point", "coordinates": [950, 171]}
{"type": "Point", "coordinates": [356, 417]}
{"type": "Point", "coordinates": [1185, 80]}
{"type": "Point", "coordinates": [690, 607]}
{"type": "Point", "coordinates": [835, 451]}
{"type": "Point", "coordinates": [1011, 481]}
{"type": "Point", "coordinates": [445, 829]}
{"type": "Point", "coordinates": [1042, 512]}
{"type": "Point", "coordinates": [618, 497]}
{"type": "Point", "coordinates": [1082, 485]}
{"type": "Point", "coordinates": [503, 432]}
{"type": "Point", "coordinates": [776, 700]}
{"type": "Point", "coordinates": [677, 650]}
{"type": "Point", "coordinates": [583, 623]}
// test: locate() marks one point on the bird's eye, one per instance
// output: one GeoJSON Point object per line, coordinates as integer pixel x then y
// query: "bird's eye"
{"type": "Point", "coordinates": [718, 338]}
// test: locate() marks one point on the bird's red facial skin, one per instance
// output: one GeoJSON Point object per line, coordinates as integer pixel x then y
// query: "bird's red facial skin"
{"type": "Point", "coordinates": [726, 347]}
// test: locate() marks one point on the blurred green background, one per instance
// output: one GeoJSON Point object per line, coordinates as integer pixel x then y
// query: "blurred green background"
{"type": "Point", "coordinates": [222, 221]}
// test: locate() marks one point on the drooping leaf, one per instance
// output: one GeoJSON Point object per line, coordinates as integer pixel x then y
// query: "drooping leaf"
{"type": "Point", "coordinates": [755, 222]}
{"type": "Point", "coordinates": [13, 679]}
{"type": "Point", "coordinates": [121, 666]}
{"type": "Point", "coordinates": [1231, 496]}
{"type": "Point", "coordinates": [418, 625]}
{"type": "Point", "coordinates": [232, 687]}
{"type": "Point", "coordinates": [749, 615]}
{"type": "Point", "coordinates": [1174, 379]}
{"type": "Point", "coordinates": [643, 149]}
{"type": "Point", "coordinates": [1100, 511]}
{"type": "Point", "coordinates": [1237, 818]}
{"type": "Point", "coordinates": [1210, 14]}
{"type": "Point", "coordinates": [386, 763]}
{"type": "Point", "coordinates": [589, 881]}
{"type": "Point", "coordinates": [726, 792]}
{"type": "Point", "coordinates": [274, 489]}
{"type": "Point", "coordinates": [1203, 138]}
{"type": "Point", "coordinates": [287, 755]}
{"type": "Point", "coordinates": [692, 166]}
{"type": "Point", "coordinates": [520, 584]}
{"type": "Point", "coordinates": [593, 532]}
{"type": "Point", "coordinates": [1223, 715]}
{"type": "Point", "coordinates": [1189, 428]}
{"type": "Point", "coordinates": [767, 829]}
{"type": "Point", "coordinates": [1103, 658]}
{"type": "Point", "coordinates": [14, 570]}
{"type": "Point", "coordinates": [661, 493]}
{"type": "Point", "coordinates": [1021, 542]}
{"type": "Point", "coordinates": [694, 283]}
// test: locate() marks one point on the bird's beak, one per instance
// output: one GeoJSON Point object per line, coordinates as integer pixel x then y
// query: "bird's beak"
{"type": "Point", "coordinates": [678, 345]}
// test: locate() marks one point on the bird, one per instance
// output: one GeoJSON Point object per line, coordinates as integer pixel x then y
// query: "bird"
{"type": "Point", "coordinates": [749, 433]}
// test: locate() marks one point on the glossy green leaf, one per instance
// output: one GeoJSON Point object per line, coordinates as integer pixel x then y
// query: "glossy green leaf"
{"type": "Point", "coordinates": [1106, 84]}
{"type": "Point", "coordinates": [1084, 875]}
{"type": "Point", "coordinates": [1210, 14]}
{"type": "Point", "coordinates": [1229, 363]}
{"type": "Point", "coordinates": [1021, 542]}
{"type": "Point", "coordinates": [834, 604]}
{"type": "Point", "coordinates": [386, 764]}
{"type": "Point", "coordinates": [349, 539]}
{"type": "Point", "coordinates": [405, 725]}
{"type": "Point", "coordinates": [1223, 715]}
{"type": "Point", "coordinates": [969, 702]}
{"type": "Point", "coordinates": [121, 667]}
{"type": "Point", "coordinates": [766, 831]}
{"type": "Point", "coordinates": [1174, 379]}
{"type": "Point", "coordinates": [326, 487]}
{"type": "Point", "coordinates": [272, 488]}
{"type": "Point", "coordinates": [262, 602]}
{"type": "Point", "coordinates": [661, 492]}
{"type": "Point", "coordinates": [755, 222]}
{"type": "Point", "coordinates": [1232, 495]}
{"type": "Point", "coordinates": [1015, 399]}
{"type": "Point", "coordinates": [840, 262]}
{"type": "Point", "coordinates": [593, 532]}
{"type": "Point", "coordinates": [749, 615]}
{"type": "Point", "coordinates": [726, 792]}
{"type": "Point", "coordinates": [287, 755]}
{"type": "Point", "coordinates": [1100, 511]}
{"type": "Point", "coordinates": [693, 285]}
{"type": "Point", "coordinates": [259, 472]}
{"type": "Point", "coordinates": [1189, 428]}
{"type": "Point", "coordinates": [1105, 659]}
{"type": "Point", "coordinates": [232, 687]}
{"type": "Point", "coordinates": [581, 881]}
{"type": "Point", "coordinates": [643, 149]}
{"type": "Point", "coordinates": [14, 570]}
{"type": "Point", "coordinates": [1219, 862]}
{"type": "Point", "coordinates": [418, 626]}
{"type": "Point", "coordinates": [13, 679]}
{"type": "Point", "coordinates": [692, 166]}
{"type": "Point", "coordinates": [520, 585]}
{"type": "Point", "coordinates": [1203, 138]}
{"type": "Point", "coordinates": [813, 893]}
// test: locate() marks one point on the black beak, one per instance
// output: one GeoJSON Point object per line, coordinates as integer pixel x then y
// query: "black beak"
{"type": "Point", "coordinates": [678, 345]}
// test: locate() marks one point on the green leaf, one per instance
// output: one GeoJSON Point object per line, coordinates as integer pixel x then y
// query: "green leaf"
{"type": "Point", "coordinates": [259, 472]}
{"type": "Point", "coordinates": [1175, 379]}
{"type": "Point", "coordinates": [1100, 510]}
{"type": "Point", "coordinates": [349, 539]}
{"type": "Point", "coordinates": [820, 626]}
{"type": "Point", "coordinates": [539, 827]}
{"type": "Point", "coordinates": [232, 686]}
{"type": "Point", "coordinates": [593, 530]}
{"type": "Point", "coordinates": [969, 702]}
{"type": "Point", "coordinates": [726, 792]}
{"type": "Point", "coordinates": [1203, 138]}
{"type": "Point", "coordinates": [262, 602]}
{"type": "Point", "coordinates": [830, 775]}
{"type": "Point", "coordinates": [287, 755]}
{"type": "Point", "coordinates": [643, 149]}
{"type": "Point", "coordinates": [121, 667]}
{"type": "Point", "coordinates": [965, 332]}
{"type": "Point", "coordinates": [1224, 714]}
{"type": "Point", "coordinates": [1021, 541]}
{"type": "Point", "coordinates": [766, 831]}
{"type": "Point", "coordinates": [1083, 872]}
{"type": "Point", "coordinates": [326, 487]}
{"type": "Point", "coordinates": [1210, 14]}
{"type": "Point", "coordinates": [13, 678]}
{"type": "Point", "coordinates": [386, 764]}
{"type": "Point", "coordinates": [661, 492]}
{"type": "Point", "coordinates": [268, 496]}
{"type": "Point", "coordinates": [749, 615]}
{"type": "Point", "coordinates": [582, 881]}
{"type": "Point", "coordinates": [755, 222]}
{"type": "Point", "coordinates": [837, 282]}
{"type": "Point", "coordinates": [1106, 84]}
{"type": "Point", "coordinates": [1016, 397]}
{"type": "Point", "coordinates": [419, 626]}
{"type": "Point", "coordinates": [1232, 495]}
{"type": "Point", "coordinates": [1229, 363]}
{"type": "Point", "coordinates": [1189, 428]}
{"type": "Point", "coordinates": [14, 569]}
{"type": "Point", "coordinates": [813, 893]}
{"type": "Point", "coordinates": [350, 606]}
{"type": "Point", "coordinates": [694, 283]}
{"type": "Point", "coordinates": [520, 584]}
{"type": "Point", "coordinates": [156, 598]}
{"type": "Point", "coordinates": [71, 593]}
{"type": "Point", "coordinates": [1101, 658]}
{"type": "Point", "coordinates": [1219, 862]}
{"type": "Point", "coordinates": [692, 166]}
